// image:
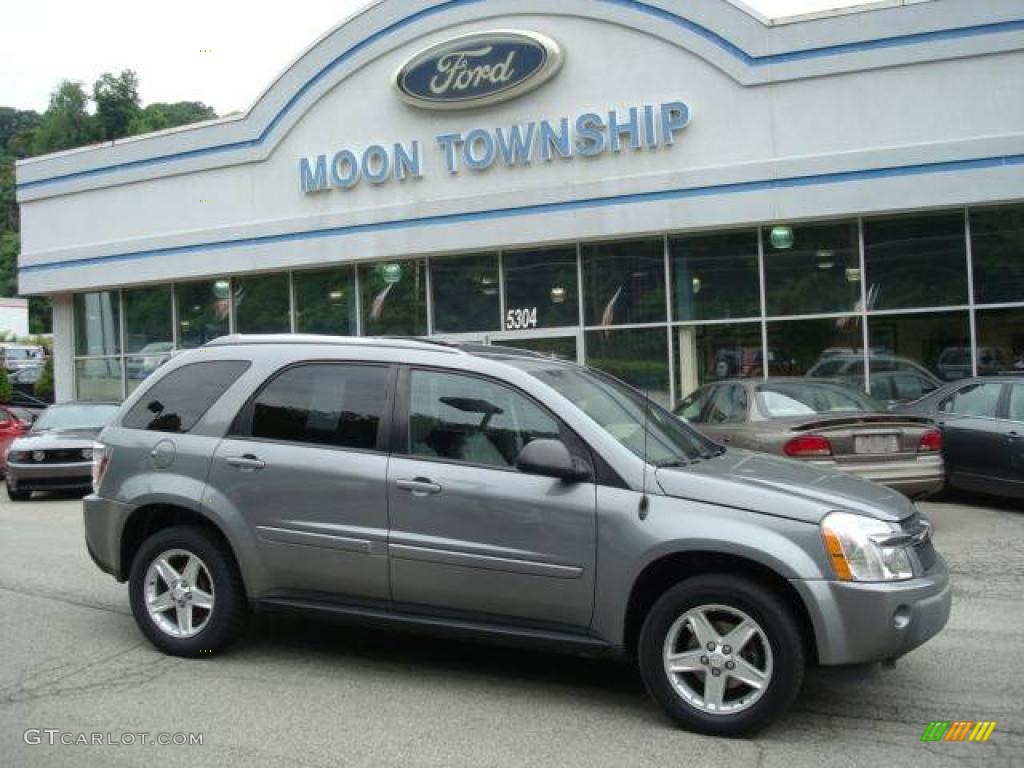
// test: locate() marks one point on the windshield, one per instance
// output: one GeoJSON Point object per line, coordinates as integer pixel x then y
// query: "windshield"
{"type": "Point", "coordinates": [780, 400]}
{"type": "Point", "coordinates": [15, 353]}
{"type": "Point", "coordinates": [76, 416]}
{"type": "Point", "coordinates": [619, 410]}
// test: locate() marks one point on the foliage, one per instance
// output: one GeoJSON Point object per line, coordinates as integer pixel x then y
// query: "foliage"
{"type": "Point", "coordinates": [44, 384]}
{"type": "Point", "coordinates": [67, 122]}
{"type": "Point", "coordinates": [160, 116]}
{"type": "Point", "coordinates": [117, 103]}
{"type": "Point", "coordinates": [6, 388]}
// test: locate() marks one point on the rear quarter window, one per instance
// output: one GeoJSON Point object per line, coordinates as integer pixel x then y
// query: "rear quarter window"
{"type": "Point", "coordinates": [177, 401]}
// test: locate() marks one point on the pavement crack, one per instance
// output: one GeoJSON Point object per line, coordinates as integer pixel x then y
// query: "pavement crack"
{"type": "Point", "coordinates": [58, 598]}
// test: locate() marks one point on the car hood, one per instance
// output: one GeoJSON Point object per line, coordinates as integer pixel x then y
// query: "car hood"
{"type": "Point", "coordinates": [781, 487]}
{"type": "Point", "coordinates": [56, 439]}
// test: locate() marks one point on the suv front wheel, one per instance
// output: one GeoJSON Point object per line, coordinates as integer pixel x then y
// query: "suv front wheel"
{"type": "Point", "coordinates": [721, 655]}
{"type": "Point", "coordinates": [185, 592]}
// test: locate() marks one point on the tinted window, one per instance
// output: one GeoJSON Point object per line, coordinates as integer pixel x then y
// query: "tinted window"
{"type": "Point", "coordinates": [468, 419]}
{"type": "Point", "coordinates": [692, 407]}
{"type": "Point", "coordinates": [179, 399]}
{"type": "Point", "coordinates": [975, 400]}
{"type": "Point", "coordinates": [729, 406]}
{"type": "Point", "coordinates": [910, 387]}
{"type": "Point", "coordinates": [336, 405]}
{"type": "Point", "coordinates": [1017, 402]}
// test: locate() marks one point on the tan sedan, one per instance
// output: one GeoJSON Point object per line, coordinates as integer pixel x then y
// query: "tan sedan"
{"type": "Point", "coordinates": [822, 422]}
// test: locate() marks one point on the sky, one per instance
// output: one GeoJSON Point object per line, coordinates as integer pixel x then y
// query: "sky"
{"type": "Point", "coordinates": [221, 52]}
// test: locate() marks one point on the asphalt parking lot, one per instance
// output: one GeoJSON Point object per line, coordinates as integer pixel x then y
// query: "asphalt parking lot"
{"type": "Point", "coordinates": [307, 694]}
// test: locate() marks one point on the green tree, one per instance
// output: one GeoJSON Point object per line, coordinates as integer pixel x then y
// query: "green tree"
{"type": "Point", "coordinates": [16, 128]}
{"type": "Point", "coordinates": [161, 116]}
{"type": "Point", "coordinates": [44, 384]}
{"type": "Point", "coordinates": [6, 388]}
{"type": "Point", "coordinates": [117, 103]}
{"type": "Point", "coordinates": [66, 123]}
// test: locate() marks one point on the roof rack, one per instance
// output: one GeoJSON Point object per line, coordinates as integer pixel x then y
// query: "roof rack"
{"type": "Point", "coordinates": [239, 339]}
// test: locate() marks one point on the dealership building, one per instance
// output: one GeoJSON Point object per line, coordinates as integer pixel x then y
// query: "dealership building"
{"type": "Point", "coordinates": [673, 190]}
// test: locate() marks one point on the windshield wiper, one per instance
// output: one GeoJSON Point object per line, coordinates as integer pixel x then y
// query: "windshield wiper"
{"type": "Point", "coordinates": [676, 463]}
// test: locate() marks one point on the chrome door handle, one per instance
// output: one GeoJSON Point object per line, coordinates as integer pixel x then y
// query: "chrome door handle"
{"type": "Point", "coordinates": [247, 463]}
{"type": "Point", "coordinates": [418, 487]}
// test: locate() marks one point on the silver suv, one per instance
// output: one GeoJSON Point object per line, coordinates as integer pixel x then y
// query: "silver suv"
{"type": "Point", "coordinates": [498, 494]}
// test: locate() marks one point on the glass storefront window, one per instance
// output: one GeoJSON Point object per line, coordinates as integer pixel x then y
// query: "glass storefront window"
{"type": "Point", "coordinates": [262, 304]}
{"type": "Point", "coordinates": [638, 356]}
{"type": "Point", "coordinates": [1000, 340]}
{"type": "Point", "coordinates": [715, 276]}
{"type": "Point", "coordinates": [812, 269]}
{"type": "Point", "coordinates": [203, 310]}
{"type": "Point", "coordinates": [711, 352]}
{"type": "Point", "coordinates": [98, 379]}
{"type": "Point", "coordinates": [394, 298]}
{"type": "Point", "coordinates": [97, 324]}
{"type": "Point", "coordinates": [326, 302]}
{"type": "Point", "coordinates": [830, 348]}
{"type": "Point", "coordinates": [624, 282]}
{"type": "Point", "coordinates": [935, 346]}
{"type": "Point", "coordinates": [916, 261]}
{"type": "Point", "coordinates": [466, 295]}
{"type": "Point", "coordinates": [997, 247]}
{"type": "Point", "coordinates": [543, 283]}
{"type": "Point", "coordinates": [147, 321]}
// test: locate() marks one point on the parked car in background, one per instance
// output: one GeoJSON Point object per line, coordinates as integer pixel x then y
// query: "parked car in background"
{"type": "Point", "coordinates": [893, 379]}
{"type": "Point", "coordinates": [56, 453]}
{"type": "Point", "coordinates": [825, 423]}
{"type": "Point", "coordinates": [982, 423]}
{"type": "Point", "coordinates": [12, 426]}
{"type": "Point", "coordinates": [18, 356]}
{"type": "Point", "coordinates": [24, 383]}
{"type": "Point", "coordinates": [749, 361]}
{"type": "Point", "coordinates": [498, 493]}
{"type": "Point", "coordinates": [148, 359]}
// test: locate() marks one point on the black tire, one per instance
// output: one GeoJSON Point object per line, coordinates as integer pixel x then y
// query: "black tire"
{"type": "Point", "coordinates": [15, 495]}
{"type": "Point", "coordinates": [761, 605]}
{"type": "Point", "coordinates": [226, 622]}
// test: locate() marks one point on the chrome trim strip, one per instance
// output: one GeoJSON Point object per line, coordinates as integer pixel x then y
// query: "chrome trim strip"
{"type": "Point", "coordinates": [485, 562]}
{"type": "Point", "coordinates": [302, 538]}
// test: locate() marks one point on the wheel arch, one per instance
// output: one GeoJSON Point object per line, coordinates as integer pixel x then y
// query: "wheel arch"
{"type": "Point", "coordinates": [670, 569]}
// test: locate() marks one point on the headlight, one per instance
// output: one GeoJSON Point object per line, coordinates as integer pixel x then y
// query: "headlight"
{"type": "Point", "coordinates": [17, 456]}
{"type": "Point", "coordinates": [861, 549]}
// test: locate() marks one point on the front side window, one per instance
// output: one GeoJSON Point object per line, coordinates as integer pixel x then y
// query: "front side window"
{"type": "Point", "coordinates": [692, 408]}
{"type": "Point", "coordinates": [463, 418]}
{"type": "Point", "coordinates": [176, 402]}
{"type": "Point", "coordinates": [729, 406]}
{"type": "Point", "coordinates": [974, 400]}
{"type": "Point", "coordinates": [335, 405]}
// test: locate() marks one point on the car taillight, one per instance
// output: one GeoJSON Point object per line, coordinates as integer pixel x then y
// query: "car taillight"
{"type": "Point", "coordinates": [808, 446]}
{"type": "Point", "coordinates": [931, 442]}
{"type": "Point", "coordinates": [100, 462]}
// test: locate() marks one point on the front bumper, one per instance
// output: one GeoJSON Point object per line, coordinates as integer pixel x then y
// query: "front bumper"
{"type": "Point", "coordinates": [72, 476]}
{"type": "Point", "coordinates": [104, 522]}
{"type": "Point", "coordinates": [862, 622]}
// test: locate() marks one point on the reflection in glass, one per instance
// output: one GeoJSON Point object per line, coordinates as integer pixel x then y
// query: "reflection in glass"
{"type": "Point", "coordinates": [394, 298]}
{"type": "Point", "coordinates": [203, 310]}
{"type": "Point", "coordinates": [715, 276]}
{"type": "Point", "coordinates": [147, 321]}
{"type": "Point", "coordinates": [325, 301]}
{"type": "Point", "coordinates": [98, 379]}
{"type": "Point", "coordinates": [916, 261]}
{"type": "Point", "coordinates": [997, 247]}
{"type": "Point", "coordinates": [815, 270]}
{"type": "Point", "coordinates": [1000, 340]}
{"type": "Point", "coordinates": [827, 348]}
{"type": "Point", "coordinates": [97, 324]}
{"type": "Point", "coordinates": [545, 280]}
{"type": "Point", "coordinates": [466, 293]}
{"type": "Point", "coordinates": [559, 347]}
{"type": "Point", "coordinates": [928, 344]}
{"type": "Point", "coordinates": [624, 282]}
{"type": "Point", "coordinates": [262, 304]}
{"type": "Point", "coordinates": [707, 353]}
{"type": "Point", "coordinates": [637, 356]}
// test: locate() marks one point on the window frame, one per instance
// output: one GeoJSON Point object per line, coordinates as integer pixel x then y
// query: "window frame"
{"type": "Point", "coordinates": [241, 425]}
{"type": "Point", "coordinates": [577, 446]}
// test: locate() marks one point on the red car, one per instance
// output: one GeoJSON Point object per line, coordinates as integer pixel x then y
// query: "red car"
{"type": "Point", "coordinates": [11, 427]}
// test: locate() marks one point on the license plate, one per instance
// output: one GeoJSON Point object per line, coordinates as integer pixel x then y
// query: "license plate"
{"type": "Point", "coordinates": [876, 444]}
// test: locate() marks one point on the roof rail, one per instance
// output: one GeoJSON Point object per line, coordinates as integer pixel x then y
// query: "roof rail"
{"type": "Point", "coordinates": [240, 339]}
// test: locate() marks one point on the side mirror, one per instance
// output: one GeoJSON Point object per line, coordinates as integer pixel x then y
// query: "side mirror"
{"type": "Point", "coordinates": [550, 458]}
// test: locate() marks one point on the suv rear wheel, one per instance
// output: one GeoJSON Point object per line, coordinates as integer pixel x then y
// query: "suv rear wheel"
{"type": "Point", "coordinates": [721, 655]}
{"type": "Point", "coordinates": [185, 592]}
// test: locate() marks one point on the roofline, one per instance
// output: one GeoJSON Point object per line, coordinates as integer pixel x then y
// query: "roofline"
{"type": "Point", "coordinates": [424, 345]}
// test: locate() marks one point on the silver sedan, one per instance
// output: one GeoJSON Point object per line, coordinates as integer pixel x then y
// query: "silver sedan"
{"type": "Point", "coordinates": [823, 422]}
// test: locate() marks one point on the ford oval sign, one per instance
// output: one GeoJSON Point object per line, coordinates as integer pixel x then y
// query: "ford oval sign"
{"type": "Point", "coordinates": [479, 69]}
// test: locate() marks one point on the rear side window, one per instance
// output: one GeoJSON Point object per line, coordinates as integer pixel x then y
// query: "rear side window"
{"type": "Point", "coordinates": [176, 402]}
{"type": "Point", "coordinates": [1017, 403]}
{"type": "Point", "coordinates": [323, 404]}
{"type": "Point", "coordinates": [974, 400]}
